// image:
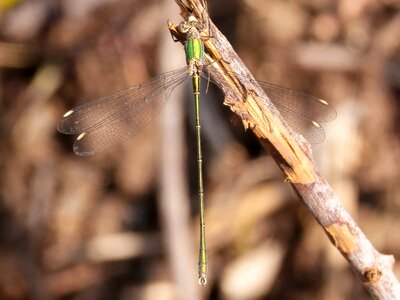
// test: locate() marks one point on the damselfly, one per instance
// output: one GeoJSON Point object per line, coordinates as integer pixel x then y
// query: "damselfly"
{"type": "Point", "coordinates": [104, 122]}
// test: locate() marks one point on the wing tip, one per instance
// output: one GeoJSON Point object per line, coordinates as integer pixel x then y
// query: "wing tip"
{"type": "Point", "coordinates": [316, 124]}
{"type": "Point", "coordinates": [81, 136]}
{"type": "Point", "coordinates": [68, 113]}
{"type": "Point", "coordinates": [324, 102]}
{"type": "Point", "coordinates": [61, 126]}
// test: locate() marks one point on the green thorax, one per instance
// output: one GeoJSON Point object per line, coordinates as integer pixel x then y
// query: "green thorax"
{"type": "Point", "coordinates": [194, 49]}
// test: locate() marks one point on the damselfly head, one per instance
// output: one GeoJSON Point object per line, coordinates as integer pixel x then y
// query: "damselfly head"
{"type": "Point", "coordinates": [192, 26]}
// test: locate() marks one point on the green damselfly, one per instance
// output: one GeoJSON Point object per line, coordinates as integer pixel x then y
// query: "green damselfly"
{"type": "Point", "coordinates": [106, 121]}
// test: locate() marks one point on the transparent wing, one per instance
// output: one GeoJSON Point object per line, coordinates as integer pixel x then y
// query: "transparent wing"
{"type": "Point", "coordinates": [303, 112]}
{"type": "Point", "coordinates": [110, 119]}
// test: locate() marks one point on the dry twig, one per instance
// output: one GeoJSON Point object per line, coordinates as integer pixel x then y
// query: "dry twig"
{"type": "Point", "coordinates": [293, 155]}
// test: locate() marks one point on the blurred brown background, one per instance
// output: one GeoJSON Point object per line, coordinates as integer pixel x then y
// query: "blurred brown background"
{"type": "Point", "coordinates": [123, 224]}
